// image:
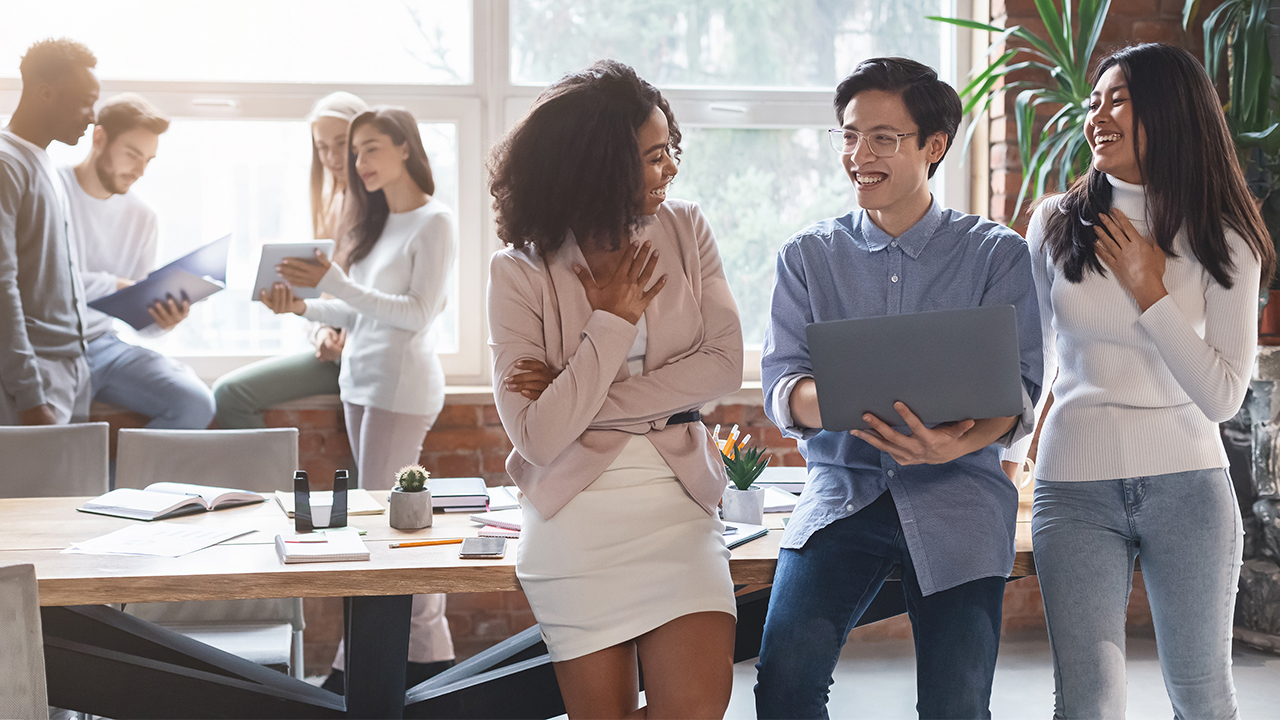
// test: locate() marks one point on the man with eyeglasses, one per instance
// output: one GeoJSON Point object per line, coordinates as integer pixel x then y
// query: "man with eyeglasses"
{"type": "Point", "coordinates": [931, 502]}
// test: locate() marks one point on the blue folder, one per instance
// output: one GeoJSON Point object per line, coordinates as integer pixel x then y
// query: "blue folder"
{"type": "Point", "coordinates": [194, 276]}
{"type": "Point", "coordinates": [130, 304]}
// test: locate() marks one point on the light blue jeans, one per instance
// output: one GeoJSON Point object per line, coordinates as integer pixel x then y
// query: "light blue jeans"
{"type": "Point", "coordinates": [1186, 529]}
{"type": "Point", "coordinates": [147, 382]}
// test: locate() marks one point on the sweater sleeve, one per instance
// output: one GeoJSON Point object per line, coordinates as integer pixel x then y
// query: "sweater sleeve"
{"type": "Point", "coordinates": [19, 374]}
{"type": "Point", "coordinates": [542, 429]}
{"type": "Point", "coordinates": [431, 254]}
{"type": "Point", "coordinates": [1042, 272]}
{"type": "Point", "coordinates": [713, 370]}
{"type": "Point", "coordinates": [1212, 370]}
{"type": "Point", "coordinates": [335, 313]}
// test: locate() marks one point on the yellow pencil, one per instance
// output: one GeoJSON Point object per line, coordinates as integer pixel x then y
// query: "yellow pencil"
{"type": "Point", "coordinates": [420, 543]}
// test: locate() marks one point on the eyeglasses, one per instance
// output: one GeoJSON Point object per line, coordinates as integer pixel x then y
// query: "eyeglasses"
{"type": "Point", "coordinates": [882, 144]}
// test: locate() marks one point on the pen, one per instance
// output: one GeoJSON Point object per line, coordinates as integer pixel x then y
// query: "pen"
{"type": "Point", "coordinates": [420, 543]}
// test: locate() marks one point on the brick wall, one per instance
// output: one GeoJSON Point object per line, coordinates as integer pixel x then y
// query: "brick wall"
{"type": "Point", "coordinates": [1128, 22]}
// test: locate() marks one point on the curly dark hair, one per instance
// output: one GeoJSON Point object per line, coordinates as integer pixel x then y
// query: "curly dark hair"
{"type": "Point", "coordinates": [574, 163]}
{"type": "Point", "coordinates": [48, 60]}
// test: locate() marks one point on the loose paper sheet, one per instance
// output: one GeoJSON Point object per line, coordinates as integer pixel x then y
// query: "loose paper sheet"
{"type": "Point", "coordinates": [159, 539]}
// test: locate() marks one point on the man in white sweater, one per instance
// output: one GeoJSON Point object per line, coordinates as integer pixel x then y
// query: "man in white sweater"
{"type": "Point", "coordinates": [116, 237]}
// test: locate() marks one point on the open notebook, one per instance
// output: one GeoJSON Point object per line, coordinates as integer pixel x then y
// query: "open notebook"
{"type": "Point", "coordinates": [167, 499]}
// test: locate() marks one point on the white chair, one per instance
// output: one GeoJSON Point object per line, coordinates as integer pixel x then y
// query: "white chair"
{"type": "Point", "coordinates": [54, 460]}
{"type": "Point", "coordinates": [259, 460]}
{"type": "Point", "coordinates": [22, 693]}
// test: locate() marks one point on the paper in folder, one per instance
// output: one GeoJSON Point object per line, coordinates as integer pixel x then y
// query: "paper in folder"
{"type": "Point", "coordinates": [130, 304]}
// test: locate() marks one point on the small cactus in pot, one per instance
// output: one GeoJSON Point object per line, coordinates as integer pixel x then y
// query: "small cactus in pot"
{"type": "Point", "coordinates": [411, 499]}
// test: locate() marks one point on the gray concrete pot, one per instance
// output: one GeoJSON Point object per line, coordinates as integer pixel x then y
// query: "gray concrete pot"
{"type": "Point", "coordinates": [410, 510]}
{"type": "Point", "coordinates": [743, 506]}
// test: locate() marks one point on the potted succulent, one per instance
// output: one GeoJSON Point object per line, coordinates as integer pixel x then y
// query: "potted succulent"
{"type": "Point", "coordinates": [741, 502]}
{"type": "Point", "coordinates": [411, 499]}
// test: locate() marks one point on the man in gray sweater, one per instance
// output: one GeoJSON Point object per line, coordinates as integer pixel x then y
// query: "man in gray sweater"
{"type": "Point", "coordinates": [44, 378]}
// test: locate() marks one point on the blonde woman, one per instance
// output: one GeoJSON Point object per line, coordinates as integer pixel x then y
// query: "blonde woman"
{"type": "Point", "coordinates": [244, 394]}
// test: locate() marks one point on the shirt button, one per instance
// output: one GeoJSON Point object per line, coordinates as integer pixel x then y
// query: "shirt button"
{"type": "Point", "coordinates": [849, 508]}
{"type": "Point", "coordinates": [893, 243]}
{"type": "Point", "coordinates": [894, 278]}
{"type": "Point", "coordinates": [890, 473]}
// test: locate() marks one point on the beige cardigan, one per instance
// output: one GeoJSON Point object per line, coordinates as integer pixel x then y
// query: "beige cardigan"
{"type": "Point", "coordinates": [567, 437]}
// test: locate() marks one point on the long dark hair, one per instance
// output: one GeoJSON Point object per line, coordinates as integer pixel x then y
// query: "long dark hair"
{"type": "Point", "coordinates": [1191, 174]}
{"type": "Point", "coordinates": [367, 212]}
{"type": "Point", "coordinates": [574, 163]}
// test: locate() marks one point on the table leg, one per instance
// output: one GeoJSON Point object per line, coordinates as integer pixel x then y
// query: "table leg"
{"type": "Point", "coordinates": [376, 654]}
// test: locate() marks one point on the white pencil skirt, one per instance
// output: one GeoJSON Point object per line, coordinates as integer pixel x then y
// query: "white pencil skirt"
{"type": "Point", "coordinates": [627, 555]}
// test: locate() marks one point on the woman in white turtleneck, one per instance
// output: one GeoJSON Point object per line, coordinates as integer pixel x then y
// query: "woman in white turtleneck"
{"type": "Point", "coordinates": [1148, 272]}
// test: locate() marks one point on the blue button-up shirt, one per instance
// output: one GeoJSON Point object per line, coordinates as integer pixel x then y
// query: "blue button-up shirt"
{"type": "Point", "coordinates": [958, 518]}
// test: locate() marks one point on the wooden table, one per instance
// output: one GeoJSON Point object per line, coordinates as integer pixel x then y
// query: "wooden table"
{"type": "Point", "coordinates": [37, 530]}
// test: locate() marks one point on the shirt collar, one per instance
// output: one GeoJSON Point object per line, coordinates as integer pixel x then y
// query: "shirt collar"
{"type": "Point", "coordinates": [913, 241]}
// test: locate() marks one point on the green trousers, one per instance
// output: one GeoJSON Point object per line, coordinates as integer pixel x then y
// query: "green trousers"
{"type": "Point", "coordinates": [243, 395]}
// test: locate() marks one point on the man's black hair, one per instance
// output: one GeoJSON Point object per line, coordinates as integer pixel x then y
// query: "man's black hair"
{"type": "Point", "coordinates": [934, 105]}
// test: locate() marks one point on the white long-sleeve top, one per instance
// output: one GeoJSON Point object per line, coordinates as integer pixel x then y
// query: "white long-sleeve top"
{"type": "Point", "coordinates": [387, 306]}
{"type": "Point", "coordinates": [114, 238]}
{"type": "Point", "coordinates": [1141, 393]}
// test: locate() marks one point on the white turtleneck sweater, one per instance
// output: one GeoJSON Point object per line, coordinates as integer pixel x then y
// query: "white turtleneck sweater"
{"type": "Point", "coordinates": [1140, 393]}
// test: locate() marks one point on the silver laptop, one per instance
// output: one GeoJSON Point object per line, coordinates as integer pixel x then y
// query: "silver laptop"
{"type": "Point", "coordinates": [946, 366]}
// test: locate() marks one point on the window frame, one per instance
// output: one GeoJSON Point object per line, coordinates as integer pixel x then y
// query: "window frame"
{"type": "Point", "coordinates": [482, 112]}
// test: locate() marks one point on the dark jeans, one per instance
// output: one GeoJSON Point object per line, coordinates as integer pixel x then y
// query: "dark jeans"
{"type": "Point", "coordinates": [821, 590]}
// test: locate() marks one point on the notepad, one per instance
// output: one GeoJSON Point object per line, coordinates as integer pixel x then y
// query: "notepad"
{"type": "Point", "coordinates": [158, 540]}
{"type": "Point", "coordinates": [331, 545]}
{"type": "Point", "coordinates": [509, 519]}
{"type": "Point", "coordinates": [503, 497]}
{"type": "Point", "coordinates": [359, 502]}
{"type": "Point", "coordinates": [167, 499]}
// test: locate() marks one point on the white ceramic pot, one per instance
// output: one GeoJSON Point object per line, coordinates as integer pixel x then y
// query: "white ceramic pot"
{"type": "Point", "coordinates": [743, 506]}
{"type": "Point", "coordinates": [410, 510]}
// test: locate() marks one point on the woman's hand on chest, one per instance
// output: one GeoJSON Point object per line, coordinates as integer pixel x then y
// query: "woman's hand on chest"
{"type": "Point", "coordinates": [627, 273]}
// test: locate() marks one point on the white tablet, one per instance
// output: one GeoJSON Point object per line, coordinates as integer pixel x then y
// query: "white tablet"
{"type": "Point", "coordinates": [273, 253]}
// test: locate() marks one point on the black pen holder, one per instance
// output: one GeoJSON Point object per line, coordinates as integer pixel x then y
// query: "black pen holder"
{"type": "Point", "coordinates": [302, 518]}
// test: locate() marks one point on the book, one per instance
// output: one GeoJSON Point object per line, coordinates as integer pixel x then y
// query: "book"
{"type": "Point", "coordinates": [167, 499]}
{"type": "Point", "coordinates": [736, 534]}
{"type": "Point", "coordinates": [359, 502]}
{"type": "Point", "coordinates": [331, 545]}
{"type": "Point", "coordinates": [465, 493]}
{"type": "Point", "coordinates": [509, 519]}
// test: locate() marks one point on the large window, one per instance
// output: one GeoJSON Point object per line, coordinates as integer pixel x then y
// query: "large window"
{"type": "Point", "coordinates": [749, 80]}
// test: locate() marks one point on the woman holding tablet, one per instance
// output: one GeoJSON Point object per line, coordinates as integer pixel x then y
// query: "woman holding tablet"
{"type": "Point", "coordinates": [242, 395]}
{"type": "Point", "coordinates": [612, 323]}
{"type": "Point", "coordinates": [1148, 271]}
{"type": "Point", "coordinates": [402, 249]}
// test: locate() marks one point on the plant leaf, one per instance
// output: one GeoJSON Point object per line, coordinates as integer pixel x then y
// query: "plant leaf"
{"type": "Point", "coordinates": [1189, 12]}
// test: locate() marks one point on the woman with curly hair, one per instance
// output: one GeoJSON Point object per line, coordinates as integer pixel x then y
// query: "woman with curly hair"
{"type": "Point", "coordinates": [612, 323]}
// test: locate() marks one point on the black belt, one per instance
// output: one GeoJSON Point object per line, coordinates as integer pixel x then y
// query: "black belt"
{"type": "Point", "coordinates": [684, 417]}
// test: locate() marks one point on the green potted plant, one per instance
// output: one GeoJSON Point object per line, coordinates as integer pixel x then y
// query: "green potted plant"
{"type": "Point", "coordinates": [411, 499]}
{"type": "Point", "coordinates": [741, 502]}
{"type": "Point", "coordinates": [1063, 54]}
{"type": "Point", "coordinates": [1237, 38]}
